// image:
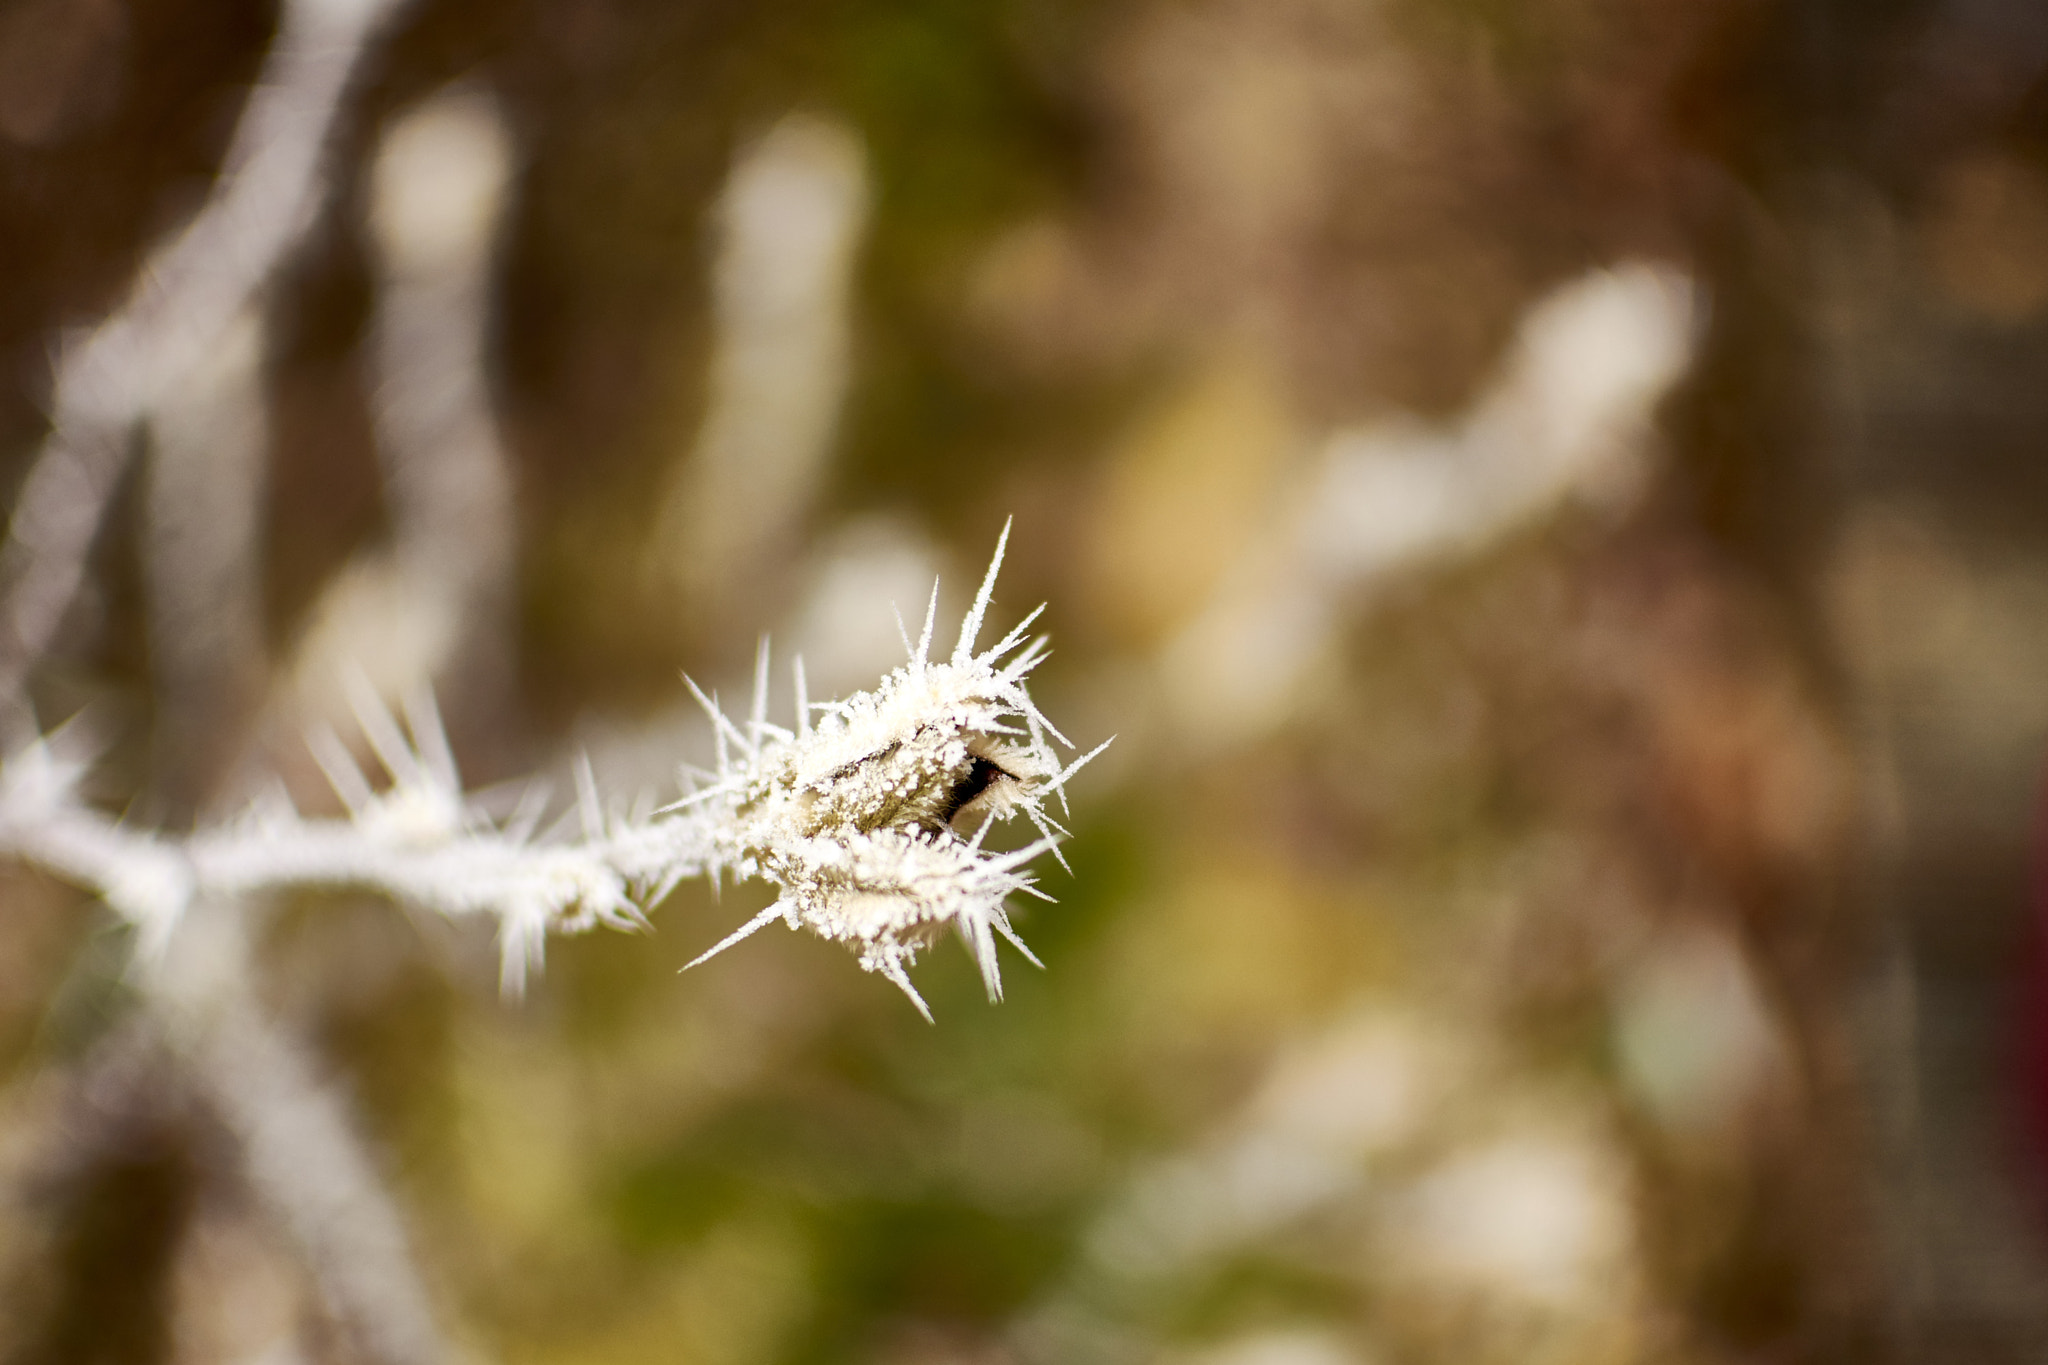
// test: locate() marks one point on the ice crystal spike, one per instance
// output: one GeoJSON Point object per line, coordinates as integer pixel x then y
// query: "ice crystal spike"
{"type": "Point", "coordinates": [924, 637]}
{"type": "Point", "coordinates": [963, 652]}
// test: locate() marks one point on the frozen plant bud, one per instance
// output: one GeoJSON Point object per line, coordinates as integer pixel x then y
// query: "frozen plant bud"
{"type": "Point", "coordinates": [860, 820]}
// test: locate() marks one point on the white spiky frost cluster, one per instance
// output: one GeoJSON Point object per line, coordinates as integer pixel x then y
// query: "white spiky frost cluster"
{"type": "Point", "coordinates": [856, 819]}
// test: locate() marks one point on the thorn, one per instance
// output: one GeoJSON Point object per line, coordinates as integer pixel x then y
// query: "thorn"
{"type": "Point", "coordinates": [1059, 784]}
{"type": "Point", "coordinates": [1014, 638]}
{"type": "Point", "coordinates": [1003, 927]}
{"type": "Point", "coordinates": [982, 943]}
{"type": "Point", "coordinates": [1035, 716]}
{"type": "Point", "coordinates": [1037, 734]}
{"type": "Point", "coordinates": [703, 794]}
{"type": "Point", "coordinates": [924, 637]}
{"type": "Point", "coordinates": [621, 913]}
{"type": "Point", "coordinates": [381, 729]}
{"type": "Point", "coordinates": [903, 634]}
{"type": "Point", "coordinates": [894, 971]}
{"type": "Point", "coordinates": [963, 652]}
{"type": "Point", "coordinates": [974, 844]}
{"type": "Point", "coordinates": [747, 930]}
{"type": "Point", "coordinates": [340, 767]}
{"type": "Point", "coordinates": [1037, 818]}
{"type": "Point", "coordinates": [723, 727]}
{"type": "Point", "coordinates": [430, 738]}
{"type": "Point", "coordinates": [522, 945]}
{"type": "Point", "coordinates": [1038, 653]}
{"type": "Point", "coordinates": [1005, 861]}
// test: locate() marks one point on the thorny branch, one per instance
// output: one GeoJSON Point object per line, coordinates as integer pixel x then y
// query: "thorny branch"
{"type": "Point", "coordinates": [855, 817]}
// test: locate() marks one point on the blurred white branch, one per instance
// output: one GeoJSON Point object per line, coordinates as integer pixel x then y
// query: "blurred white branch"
{"type": "Point", "coordinates": [438, 196]}
{"type": "Point", "coordinates": [185, 301]}
{"type": "Point", "coordinates": [1398, 1130]}
{"type": "Point", "coordinates": [300, 1151]}
{"type": "Point", "coordinates": [1568, 418]}
{"type": "Point", "coordinates": [203, 554]}
{"type": "Point", "coordinates": [789, 223]}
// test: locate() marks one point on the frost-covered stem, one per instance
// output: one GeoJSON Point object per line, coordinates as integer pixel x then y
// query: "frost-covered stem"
{"type": "Point", "coordinates": [858, 815]}
{"type": "Point", "coordinates": [303, 1156]}
{"type": "Point", "coordinates": [300, 1150]}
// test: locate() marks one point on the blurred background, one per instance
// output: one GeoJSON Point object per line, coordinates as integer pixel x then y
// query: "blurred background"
{"type": "Point", "coordinates": [1548, 493]}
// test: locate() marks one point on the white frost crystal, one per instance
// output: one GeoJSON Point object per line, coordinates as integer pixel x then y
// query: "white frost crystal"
{"type": "Point", "coordinates": [857, 819]}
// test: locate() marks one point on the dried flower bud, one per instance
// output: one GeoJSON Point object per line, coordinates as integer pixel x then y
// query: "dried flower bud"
{"type": "Point", "coordinates": [857, 819]}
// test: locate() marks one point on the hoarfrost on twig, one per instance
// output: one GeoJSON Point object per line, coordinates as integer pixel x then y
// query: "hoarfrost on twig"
{"type": "Point", "coordinates": [856, 814]}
